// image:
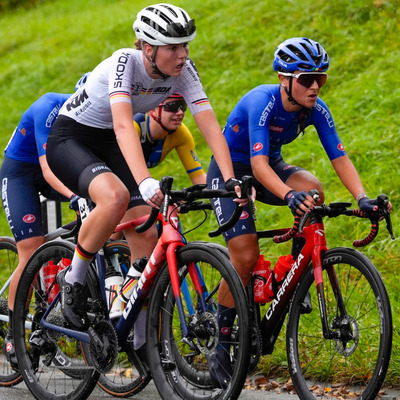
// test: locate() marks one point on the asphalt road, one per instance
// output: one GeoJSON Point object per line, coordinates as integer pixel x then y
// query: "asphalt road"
{"type": "Point", "coordinates": [20, 392]}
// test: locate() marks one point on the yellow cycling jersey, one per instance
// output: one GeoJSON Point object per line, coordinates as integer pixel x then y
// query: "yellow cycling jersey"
{"type": "Point", "coordinates": [155, 151]}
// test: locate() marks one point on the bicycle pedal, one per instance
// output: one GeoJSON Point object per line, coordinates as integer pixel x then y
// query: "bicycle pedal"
{"type": "Point", "coordinates": [167, 365]}
{"type": "Point", "coordinates": [41, 340]}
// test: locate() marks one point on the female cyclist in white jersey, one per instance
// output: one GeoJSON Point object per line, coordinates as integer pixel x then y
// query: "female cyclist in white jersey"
{"type": "Point", "coordinates": [94, 148]}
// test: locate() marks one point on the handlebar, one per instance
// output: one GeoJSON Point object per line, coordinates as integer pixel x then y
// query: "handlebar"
{"type": "Point", "coordinates": [334, 210]}
{"type": "Point", "coordinates": [187, 200]}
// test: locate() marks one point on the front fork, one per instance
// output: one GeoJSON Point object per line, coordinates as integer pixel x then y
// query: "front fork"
{"type": "Point", "coordinates": [318, 250]}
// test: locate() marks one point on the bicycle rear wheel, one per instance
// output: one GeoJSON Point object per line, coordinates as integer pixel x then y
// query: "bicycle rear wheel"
{"type": "Point", "coordinates": [129, 375]}
{"type": "Point", "coordinates": [51, 362]}
{"type": "Point", "coordinates": [8, 263]}
{"type": "Point", "coordinates": [179, 367]}
{"type": "Point", "coordinates": [356, 361]}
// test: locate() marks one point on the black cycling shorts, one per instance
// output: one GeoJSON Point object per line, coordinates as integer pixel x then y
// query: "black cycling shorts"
{"type": "Point", "coordinates": [224, 207]}
{"type": "Point", "coordinates": [78, 153]}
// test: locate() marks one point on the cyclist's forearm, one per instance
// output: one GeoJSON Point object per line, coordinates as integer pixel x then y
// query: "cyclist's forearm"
{"type": "Point", "coordinates": [348, 174]}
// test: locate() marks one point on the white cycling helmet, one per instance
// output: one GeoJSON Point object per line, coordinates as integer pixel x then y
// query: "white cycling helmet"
{"type": "Point", "coordinates": [163, 24]}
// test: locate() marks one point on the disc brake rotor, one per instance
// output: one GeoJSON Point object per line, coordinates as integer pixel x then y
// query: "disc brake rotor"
{"type": "Point", "coordinates": [348, 342]}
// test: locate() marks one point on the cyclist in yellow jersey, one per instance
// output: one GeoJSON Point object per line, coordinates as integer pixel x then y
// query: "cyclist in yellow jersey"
{"type": "Point", "coordinates": [161, 131]}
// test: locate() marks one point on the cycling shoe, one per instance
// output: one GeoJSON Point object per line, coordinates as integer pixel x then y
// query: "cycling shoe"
{"type": "Point", "coordinates": [220, 367]}
{"type": "Point", "coordinates": [73, 302]}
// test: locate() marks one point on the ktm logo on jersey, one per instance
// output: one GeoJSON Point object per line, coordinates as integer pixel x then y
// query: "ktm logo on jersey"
{"type": "Point", "coordinates": [77, 100]}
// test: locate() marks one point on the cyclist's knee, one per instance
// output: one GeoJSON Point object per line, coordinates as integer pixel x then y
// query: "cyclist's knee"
{"type": "Point", "coordinates": [306, 181]}
{"type": "Point", "coordinates": [244, 253]}
{"type": "Point", "coordinates": [114, 199]}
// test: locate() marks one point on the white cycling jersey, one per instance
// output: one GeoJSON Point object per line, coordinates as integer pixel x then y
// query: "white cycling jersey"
{"type": "Point", "coordinates": [123, 78]}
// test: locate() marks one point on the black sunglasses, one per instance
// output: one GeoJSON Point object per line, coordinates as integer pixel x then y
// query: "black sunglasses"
{"type": "Point", "coordinates": [176, 29]}
{"type": "Point", "coordinates": [175, 106]}
{"type": "Point", "coordinates": [306, 79]}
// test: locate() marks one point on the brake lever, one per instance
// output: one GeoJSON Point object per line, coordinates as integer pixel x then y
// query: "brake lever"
{"type": "Point", "coordinates": [166, 185]}
{"type": "Point", "coordinates": [383, 203]}
{"type": "Point", "coordinates": [246, 187]}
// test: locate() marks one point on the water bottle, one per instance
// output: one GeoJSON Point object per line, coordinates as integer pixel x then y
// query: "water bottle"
{"type": "Point", "coordinates": [262, 278]}
{"type": "Point", "coordinates": [113, 283]}
{"type": "Point", "coordinates": [131, 278]}
{"type": "Point", "coordinates": [282, 267]}
{"type": "Point", "coordinates": [50, 271]}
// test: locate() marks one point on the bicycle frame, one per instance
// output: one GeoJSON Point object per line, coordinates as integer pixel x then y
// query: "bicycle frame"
{"type": "Point", "coordinates": [170, 240]}
{"type": "Point", "coordinates": [314, 246]}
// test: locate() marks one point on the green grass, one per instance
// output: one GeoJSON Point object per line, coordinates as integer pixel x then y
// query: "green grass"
{"type": "Point", "coordinates": [48, 47]}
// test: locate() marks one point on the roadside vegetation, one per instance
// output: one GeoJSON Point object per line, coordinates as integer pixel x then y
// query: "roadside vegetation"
{"type": "Point", "coordinates": [47, 46]}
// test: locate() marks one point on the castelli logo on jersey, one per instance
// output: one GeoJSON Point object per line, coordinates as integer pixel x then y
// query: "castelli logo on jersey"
{"type": "Point", "coordinates": [29, 218]}
{"type": "Point", "coordinates": [226, 331]}
{"type": "Point", "coordinates": [244, 215]}
{"type": "Point", "coordinates": [258, 146]}
{"type": "Point", "coordinates": [45, 146]}
{"type": "Point", "coordinates": [340, 147]}
{"type": "Point", "coordinates": [9, 347]}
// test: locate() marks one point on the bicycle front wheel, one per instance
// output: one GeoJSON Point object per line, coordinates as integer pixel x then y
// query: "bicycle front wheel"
{"type": "Point", "coordinates": [51, 362]}
{"type": "Point", "coordinates": [355, 359]}
{"type": "Point", "coordinates": [8, 263]}
{"type": "Point", "coordinates": [178, 362]}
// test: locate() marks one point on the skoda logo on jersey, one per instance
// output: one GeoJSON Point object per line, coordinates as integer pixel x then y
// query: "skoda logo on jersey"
{"type": "Point", "coordinates": [258, 146]}
{"type": "Point", "coordinates": [29, 218]}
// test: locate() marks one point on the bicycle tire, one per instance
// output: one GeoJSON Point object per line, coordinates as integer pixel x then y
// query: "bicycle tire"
{"type": "Point", "coordinates": [325, 368]}
{"type": "Point", "coordinates": [42, 375]}
{"type": "Point", "coordinates": [190, 378]}
{"type": "Point", "coordinates": [128, 376]}
{"type": "Point", "coordinates": [8, 263]}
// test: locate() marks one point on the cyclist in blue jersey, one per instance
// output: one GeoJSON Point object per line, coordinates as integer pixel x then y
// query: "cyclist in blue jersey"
{"type": "Point", "coordinates": [265, 119]}
{"type": "Point", "coordinates": [25, 176]}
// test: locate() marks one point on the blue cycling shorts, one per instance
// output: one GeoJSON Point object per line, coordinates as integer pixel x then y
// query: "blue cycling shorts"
{"type": "Point", "coordinates": [224, 207]}
{"type": "Point", "coordinates": [22, 184]}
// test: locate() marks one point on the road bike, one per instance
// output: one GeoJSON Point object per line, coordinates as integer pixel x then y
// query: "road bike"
{"type": "Point", "coordinates": [8, 263]}
{"type": "Point", "coordinates": [175, 369]}
{"type": "Point", "coordinates": [116, 253]}
{"type": "Point", "coordinates": [338, 341]}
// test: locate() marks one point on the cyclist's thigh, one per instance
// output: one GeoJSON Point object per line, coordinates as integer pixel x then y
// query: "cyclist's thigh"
{"type": "Point", "coordinates": [73, 153]}
{"type": "Point", "coordinates": [285, 171]}
{"type": "Point", "coordinates": [20, 197]}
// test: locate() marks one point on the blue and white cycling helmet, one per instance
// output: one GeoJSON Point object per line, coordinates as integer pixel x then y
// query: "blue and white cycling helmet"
{"type": "Point", "coordinates": [163, 24]}
{"type": "Point", "coordinates": [300, 54]}
{"type": "Point", "coordinates": [82, 81]}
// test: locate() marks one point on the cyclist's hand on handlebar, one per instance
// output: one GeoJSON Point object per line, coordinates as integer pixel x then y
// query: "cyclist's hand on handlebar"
{"type": "Point", "coordinates": [149, 188]}
{"type": "Point", "coordinates": [73, 202]}
{"type": "Point", "coordinates": [235, 184]}
{"type": "Point", "coordinates": [299, 202]}
{"type": "Point", "coordinates": [366, 204]}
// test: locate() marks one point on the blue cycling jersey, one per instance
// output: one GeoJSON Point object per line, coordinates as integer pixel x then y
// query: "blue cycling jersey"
{"type": "Point", "coordinates": [259, 125]}
{"type": "Point", "coordinates": [29, 139]}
